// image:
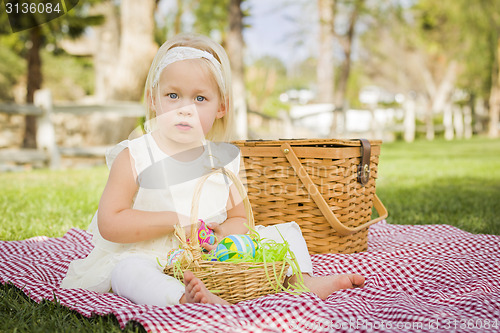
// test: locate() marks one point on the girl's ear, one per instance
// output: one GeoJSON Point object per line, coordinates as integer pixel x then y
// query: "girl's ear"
{"type": "Point", "coordinates": [222, 111]}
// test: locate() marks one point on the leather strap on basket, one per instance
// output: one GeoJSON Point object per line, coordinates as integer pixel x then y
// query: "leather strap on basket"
{"type": "Point", "coordinates": [320, 201]}
{"type": "Point", "coordinates": [364, 165]}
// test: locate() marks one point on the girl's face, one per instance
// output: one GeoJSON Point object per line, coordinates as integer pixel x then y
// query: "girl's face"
{"type": "Point", "coordinates": [187, 102]}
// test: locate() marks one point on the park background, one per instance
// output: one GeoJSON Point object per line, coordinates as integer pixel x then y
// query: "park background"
{"type": "Point", "coordinates": [389, 69]}
{"type": "Point", "coordinates": [421, 75]}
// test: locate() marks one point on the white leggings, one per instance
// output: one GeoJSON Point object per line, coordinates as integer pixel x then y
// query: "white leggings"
{"type": "Point", "coordinates": [141, 280]}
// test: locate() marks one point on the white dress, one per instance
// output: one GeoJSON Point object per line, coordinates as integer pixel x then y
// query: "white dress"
{"type": "Point", "coordinates": [165, 184]}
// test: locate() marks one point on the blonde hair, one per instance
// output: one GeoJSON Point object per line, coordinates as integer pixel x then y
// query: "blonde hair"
{"type": "Point", "coordinates": [222, 128]}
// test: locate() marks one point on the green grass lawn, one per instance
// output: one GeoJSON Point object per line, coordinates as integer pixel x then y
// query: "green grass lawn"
{"type": "Point", "coordinates": [439, 182]}
{"type": "Point", "coordinates": [49, 203]}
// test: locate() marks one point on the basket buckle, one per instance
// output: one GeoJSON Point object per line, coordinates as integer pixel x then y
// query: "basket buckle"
{"type": "Point", "coordinates": [364, 166]}
{"type": "Point", "coordinates": [363, 174]}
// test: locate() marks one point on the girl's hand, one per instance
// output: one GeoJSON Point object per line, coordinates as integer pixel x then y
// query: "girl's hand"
{"type": "Point", "coordinates": [217, 228]}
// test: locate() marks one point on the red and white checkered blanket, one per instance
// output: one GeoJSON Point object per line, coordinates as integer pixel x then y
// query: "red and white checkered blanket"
{"type": "Point", "coordinates": [418, 279]}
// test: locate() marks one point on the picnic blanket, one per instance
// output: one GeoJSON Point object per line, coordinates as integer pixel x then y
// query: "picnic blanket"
{"type": "Point", "coordinates": [424, 278]}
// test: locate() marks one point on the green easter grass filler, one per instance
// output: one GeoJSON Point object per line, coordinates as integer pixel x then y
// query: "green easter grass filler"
{"type": "Point", "coordinates": [267, 252]}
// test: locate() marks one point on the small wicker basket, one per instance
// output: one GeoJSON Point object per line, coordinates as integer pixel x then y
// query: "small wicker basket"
{"type": "Point", "coordinates": [327, 186]}
{"type": "Point", "coordinates": [233, 282]}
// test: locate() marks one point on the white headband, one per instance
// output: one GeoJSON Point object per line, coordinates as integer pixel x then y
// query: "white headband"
{"type": "Point", "coordinates": [184, 53]}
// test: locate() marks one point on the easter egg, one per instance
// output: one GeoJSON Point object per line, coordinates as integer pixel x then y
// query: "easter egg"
{"type": "Point", "coordinates": [174, 255]}
{"type": "Point", "coordinates": [235, 246]}
{"type": "Point", "coordinates": [205, 234]}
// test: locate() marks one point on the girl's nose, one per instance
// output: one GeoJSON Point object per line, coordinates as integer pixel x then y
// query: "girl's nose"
{"type": "Point", "coordinates": [185, 111]}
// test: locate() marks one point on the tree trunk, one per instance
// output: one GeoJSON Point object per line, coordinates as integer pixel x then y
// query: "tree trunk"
{"type": "Point", "coordinates": [441, 100]}
{"type": "Point", "coordinates": [34, 83]}
{"type": "Point", "coordinates": [409, 120]}
{"type": "Point", "coordinates": [429, 111]}
{"type": "Point", "coordinates": [137, 49]}
{"type": "Point", "coordinates": [448, 122]}
{"type": "Point", "coordinates": [439, 96]}
{"type": "Point", "coordinates": [494, 111]}
{"type": "Point", "coordinates": [345, 70]}
{"type": "Point", "coordinates": [467, 111]}
{"type": "Point", "coordinates": [445, 88]}
{"type": "Point", "coordinates": [234, 46]}
{"type": "Point", "coordinates": [458, 121]}
{"type": "Point", "coordinates": [325, 69]}
{"type": "Point", "coordinates": [107, 49]}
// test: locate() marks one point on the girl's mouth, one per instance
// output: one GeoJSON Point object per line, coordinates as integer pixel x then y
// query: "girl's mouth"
{"type": "Point", "coordinates": [183, 126]}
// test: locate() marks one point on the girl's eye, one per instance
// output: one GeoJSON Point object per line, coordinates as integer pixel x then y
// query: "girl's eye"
{"type": "Point", "coordinates": [172, 95]}
{"type": "Point", "coordinates": [200, 98]}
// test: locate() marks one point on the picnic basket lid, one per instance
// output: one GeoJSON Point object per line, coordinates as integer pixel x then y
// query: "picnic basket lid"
{"type": "Point", "coordinates": [305, 142]}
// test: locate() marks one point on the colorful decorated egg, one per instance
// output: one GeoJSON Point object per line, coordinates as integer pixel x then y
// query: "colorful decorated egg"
{"type": "Point", "coordinates": [235, 246]}
{"type": "Point", "coordinates": [174, 255]}
{"type": "Point", "coordinates": [205, 234]}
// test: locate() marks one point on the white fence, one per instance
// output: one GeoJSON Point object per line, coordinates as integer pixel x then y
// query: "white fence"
{"type": "Point", "coordinates": [47, 150]}
{"type": "Point", "coordinates": [378, 123]}
{"type": "Point", "coordinates": [311, 120]}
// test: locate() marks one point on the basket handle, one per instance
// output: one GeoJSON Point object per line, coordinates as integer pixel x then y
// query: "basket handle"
{"type": "Point", "coordinates": [197, 193]}
{"type": "Point", "coordinates": [320, 201]}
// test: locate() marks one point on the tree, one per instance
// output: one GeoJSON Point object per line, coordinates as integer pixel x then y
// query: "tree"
{"type": "Point", "coordinates": [492, 11]}
{"type": "Point", "coordinates": [12, 67]}
{"type": "Point", "coordinates": [417, 53]}
{"type": "Point", "coordinates": [494, 101]}
{"type": "Point", "coordinates": [476, 48]}
{"type": "Point", "coordinates": [213, 17]}
{"type": "Point", "coordinates": [71, 24]}
{"type": "Point", "coordinates": [125, 48]}
{"type": "Point", "coordinates": [345, 39]}
{"type": "Point", "coordinates": [225, 19]}
{"type": "Point", "coordinates": [325, 67]}
{"type": "Point", "coordinates": [235, 46]}
{"type": "Point", "coordinates": [353, 10]}
{"type": "Point", "coordinates": [265, 80]}
{"type": "Point", "coordinates": [136, 50]}
{"type": "Point", "coordinates": [330, 89]}
{"type": "Point", "coordinates": [107, 37]}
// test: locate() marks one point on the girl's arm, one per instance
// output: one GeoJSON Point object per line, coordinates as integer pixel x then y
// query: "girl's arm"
{"type": "Point", "coordinates": [236, 217]}
{"type": "Point", "coordinates": [117, 221]}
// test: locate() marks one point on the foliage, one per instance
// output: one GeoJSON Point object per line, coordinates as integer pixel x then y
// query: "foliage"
{"type": "Point", "coordinates": [12, 68]}
{"type": "Point", "coordinates": [405, 43]}
{"type": "Point", "coordinates": [212, 17]}
{"type": "Point", "coordinates": [68, 77]}
{"type": "Point", "coordinates": [441, 25]}
{"type": "Point", "coordinates": [303, 74]}
{"type": "Point", "coordinates": [70, 25]}
{"type": "Point", "coordinates": [354, 86]}
{"type": "Point", "coordinates": [388, 42]}
{"type": "Point", "coordinates": [265, 81]}
{"type": "Point", "coordinates": [12, 65]}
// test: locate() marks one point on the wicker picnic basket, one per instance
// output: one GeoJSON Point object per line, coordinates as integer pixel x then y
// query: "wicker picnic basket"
{"type": "Point", "coordinates": [327, 186]}
{"type": "Point", "coordinates": [233, 282]}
